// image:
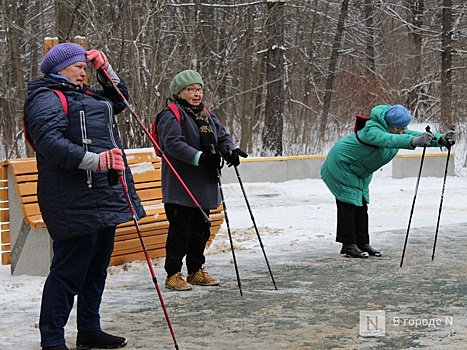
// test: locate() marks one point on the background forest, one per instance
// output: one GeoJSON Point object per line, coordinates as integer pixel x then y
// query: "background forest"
{"type": "Point", "coordinates": [285, 77]}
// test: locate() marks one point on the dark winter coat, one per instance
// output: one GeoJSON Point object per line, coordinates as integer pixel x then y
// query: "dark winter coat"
{"type": "Point", "coordinates": [76, 202]}
{"type": "Point", "coordinates": [350, 164]}
{"type": "Point", "coordinates": [180, 143]}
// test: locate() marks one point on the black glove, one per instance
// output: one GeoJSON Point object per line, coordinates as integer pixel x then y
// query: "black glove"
{"type": "Point", "coordinates": [233, 157]}
{"type": "Point", "coordinates": [112, 177]}
{"type": "Point", "coordinates": [422, 140]}
{"type": "Point", "coordinates": [210, 160]}
{"type": "Point", "coordinates": [448, 138]}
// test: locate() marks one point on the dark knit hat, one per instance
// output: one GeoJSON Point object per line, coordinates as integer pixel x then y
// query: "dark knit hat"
{"type": "Point", "coordinates": [398, 116]}
{"type": "Point", "coordinates": [61, 56]}
{"type": "Point", "coordinates": [183, 79]}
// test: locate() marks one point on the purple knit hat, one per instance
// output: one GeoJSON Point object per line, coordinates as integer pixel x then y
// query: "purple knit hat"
{"type": "Point", "coordinates": [61, 56]}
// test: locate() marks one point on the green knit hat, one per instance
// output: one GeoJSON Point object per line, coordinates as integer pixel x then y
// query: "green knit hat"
{"type": "Point", "coordinates": [183, 79]}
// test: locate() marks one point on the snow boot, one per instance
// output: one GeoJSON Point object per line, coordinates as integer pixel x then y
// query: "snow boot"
{"type": "Point", "coordinates": [370, 250]}
{"type": "Point", "coordinates": [99, 340]}
{"type": "Point", "coordinates": [56, 347]}
{"type": "Point", "coordinates": [352, 251]}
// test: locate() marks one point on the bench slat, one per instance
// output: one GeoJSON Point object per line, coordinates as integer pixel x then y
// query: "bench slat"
{"type": "Point", "coordinates": [26, 178]}
{"type": "Point", "coordinates": [23, 166]}
{"type": "Point", "coordinates": [6, 259]}
{"type": "Point", "coordinates": [150, 194]}
{"type": "Point", "coordinates": [5, 237]}
{"type": "Point", "coordinates": [26, 189]}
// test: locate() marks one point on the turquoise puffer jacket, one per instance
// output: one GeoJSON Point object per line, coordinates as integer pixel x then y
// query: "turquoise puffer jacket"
{"type": "Point", "coordinates": [350, 164]}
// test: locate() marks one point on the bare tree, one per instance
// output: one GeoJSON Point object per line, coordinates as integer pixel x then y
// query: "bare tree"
{"type": "Point", "coordinates": [273, 101]}
{"type": "Point", "coordinates": [332, 69]}
{"type": "Point", "coordinates": [446, 65]}
{"type": "Point", "coordinates": [274, 109]}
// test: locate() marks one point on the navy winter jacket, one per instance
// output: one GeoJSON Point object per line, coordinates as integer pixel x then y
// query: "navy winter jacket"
{"type": "Point", "coordinates": [180, 143]}
{"type": "Point", "coordinates": [76, 202]}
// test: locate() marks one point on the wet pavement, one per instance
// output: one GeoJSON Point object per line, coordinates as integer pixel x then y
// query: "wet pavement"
{"type": "Point", "coordinates": [322, 301]}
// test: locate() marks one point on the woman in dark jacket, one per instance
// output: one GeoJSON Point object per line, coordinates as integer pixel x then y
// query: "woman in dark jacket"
{"type": "Point", "coordinates": [77, 147]}
{"type": "Point", "coordinates": [192, 147]}
{"type": "Point", "coordinates": [351, 162]}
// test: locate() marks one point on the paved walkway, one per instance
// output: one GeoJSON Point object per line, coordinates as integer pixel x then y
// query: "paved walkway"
{"type": "Point", "coordinates": [318, 302]}
{"type": "Point", "coordinates": [317, 305]}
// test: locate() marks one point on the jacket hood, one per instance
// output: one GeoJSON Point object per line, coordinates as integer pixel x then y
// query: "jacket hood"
{"type": "Point", "coordinates": [51, 82]}
{"type": "Point", "coordinates": [378, 113]}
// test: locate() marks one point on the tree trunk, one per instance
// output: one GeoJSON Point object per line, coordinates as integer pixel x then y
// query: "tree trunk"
{"type": "Point", "coordinates": [416, 95]}
{"type": "Point", "coordinates": [446, 66]}
{"type": "Point", "coordinates": [332, 71]}
{"type": "Point", "coordinates": [64, 13]}
{"type": "Point", "coordinates": [370, 38]}
{"type": "Point", "coordinates": [274, 109]}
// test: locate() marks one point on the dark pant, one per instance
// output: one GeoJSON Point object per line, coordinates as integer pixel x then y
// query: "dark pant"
{"type": "Point", "coordinates": [352, 223]}
{"type": "Point", "coordinates": [79, 267]}
{"type": "Point", "coordinates": [187, 236]}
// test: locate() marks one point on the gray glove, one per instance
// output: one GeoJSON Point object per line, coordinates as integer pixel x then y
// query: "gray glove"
{"type": "Point", "coordinates": [448, 138]}
{"type": "Point", "coordinates": [422, 140]}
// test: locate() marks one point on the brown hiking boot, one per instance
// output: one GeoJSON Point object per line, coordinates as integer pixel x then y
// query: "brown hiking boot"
{"type": "Point", "coordinates": [202, 278]}
{"type": "Point", "coordinates": [176, 282]}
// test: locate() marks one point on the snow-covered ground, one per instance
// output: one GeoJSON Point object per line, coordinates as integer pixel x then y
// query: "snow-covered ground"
{"type": "Point", "coordinates": [294, 213]}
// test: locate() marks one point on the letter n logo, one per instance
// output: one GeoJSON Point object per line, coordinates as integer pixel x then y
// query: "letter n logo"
{"type": "Point", "coordinates": [372, 323]}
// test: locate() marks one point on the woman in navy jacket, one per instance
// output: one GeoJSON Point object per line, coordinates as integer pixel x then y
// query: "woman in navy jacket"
{"type": "Point", "coordinates": [77, 147]}
{"type": "Point", "coordinates": [193, 146]}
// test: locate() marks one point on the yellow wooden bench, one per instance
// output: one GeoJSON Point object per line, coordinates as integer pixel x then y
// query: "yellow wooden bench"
{"type": "Point", "coordinates": [25, 243]}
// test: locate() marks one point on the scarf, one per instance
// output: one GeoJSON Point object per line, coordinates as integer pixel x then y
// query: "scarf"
{"type": "Point", "coordinates": [201, 118]}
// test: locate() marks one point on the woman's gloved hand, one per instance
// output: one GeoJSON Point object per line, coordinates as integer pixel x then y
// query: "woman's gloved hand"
{"type": "Point", "coordinates": [97, 58]}
{"type": "Point", "coordinates": [111, 160]}
{"type": "Point", "coordinates": [422, 140]}
{"type": "Point", "coordinates": [233, 157]}
{"type": "Point", "coordinates": [210, 160]}
{"type": "Point", "coordinates": [448, 139]}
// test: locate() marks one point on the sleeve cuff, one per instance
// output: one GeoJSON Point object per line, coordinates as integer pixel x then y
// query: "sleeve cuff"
{"type": "Point", "coordinates": [111, 73]}
{"type": "Point", "coordinates": [90, 161]}
{"type": "Point", "coordinates": [196, 158]}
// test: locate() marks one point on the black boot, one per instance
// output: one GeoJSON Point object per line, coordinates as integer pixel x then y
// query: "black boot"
{"type": "Point", "coordinates": [370, 250]}
{"type": "Point", "coordinates": [352, 251]}
{"type": "Point", "coordinates": [57, 347]}
{"type": "Point", "coordinates": [99, 340]}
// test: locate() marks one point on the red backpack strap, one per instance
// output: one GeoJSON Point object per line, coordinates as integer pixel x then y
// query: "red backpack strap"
{"type": "Point", "coordinates": [27, 137]}
{"type": "Point", "coordinates": [207, 111]}
{"type": "Point", "coordinates": [63, 100]}
{"type": "Point", "coordinates": [64, 103]}
{"type": "Point", "coordinates": [173, 107]}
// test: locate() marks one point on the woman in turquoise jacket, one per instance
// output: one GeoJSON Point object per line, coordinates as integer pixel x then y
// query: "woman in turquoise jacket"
{"type": "Point", "coordinates": [351, 162]}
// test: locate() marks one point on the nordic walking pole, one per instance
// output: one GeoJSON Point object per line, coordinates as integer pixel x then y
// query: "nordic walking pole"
{"type": "Point", "coordinates": [140, 122]}
{"type": "Point", "coordinates": [254, 224]}
{"type": "Point", "coordinates": [441, 202]}
{"type": "Point", "coordinates": [414, 198]}
{"type": "Point", "coordinates": [219, 182]}
{"type": "Point", "coordinates": [148, 260]}
{"type": "Point", "coordinates": [228, 230]}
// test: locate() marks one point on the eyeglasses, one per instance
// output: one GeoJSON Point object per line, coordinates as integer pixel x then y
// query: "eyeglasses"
{"type": "Point", "coordinates": [192, 90]}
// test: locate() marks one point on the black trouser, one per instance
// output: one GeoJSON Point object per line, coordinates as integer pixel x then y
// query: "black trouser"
{"type": "Point", "coordinates": [352, 223]}
{"type": "Point", "coordinates": [187, 236]}
{"type": "Point", "coordinates": [79, 267]}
